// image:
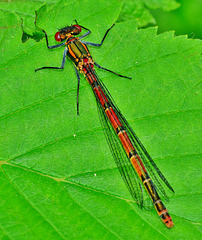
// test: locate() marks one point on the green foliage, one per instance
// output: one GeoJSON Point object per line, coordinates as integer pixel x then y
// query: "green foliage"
{"type": "Point", "coordinates": [186, 19]}
{"type": "Point", "coordinates": [58, 178]}
{"type": "Point", "coordinates": [141, 10]}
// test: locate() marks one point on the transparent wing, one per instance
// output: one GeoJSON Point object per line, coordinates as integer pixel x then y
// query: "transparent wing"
{"type": "Point", "coordinates": [128, 173]}
{"type": "Point", "coordinates": [150, 165]}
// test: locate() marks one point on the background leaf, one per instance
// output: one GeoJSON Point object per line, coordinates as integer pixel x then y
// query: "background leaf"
{"type": "Point", "coordinates": [58, 178]}
{"type": "Point", "coordinates": [185, 20]}
{"type": "Point", "coordinates": [25, 10]}
{"type": "Point", "coordinates": [141, 10]}
{"type": "Point", "coordinates": [135, 9]}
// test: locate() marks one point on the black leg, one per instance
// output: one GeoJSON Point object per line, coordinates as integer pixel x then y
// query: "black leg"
{"type": "Point", "coordinates": [97, 65]}
{"type": "Point", "coordinates": [97, 44]}
{"type": "Point", "coordinates": [78, 77]}
{"type": "Point", "coordinates": [85, 34]}
{"type": "Point", "coordinates": [50, 47]}
{"type": "Point", "coordinates": [62, 65]}
{"type": "Point", "coordinates": [54, 46]}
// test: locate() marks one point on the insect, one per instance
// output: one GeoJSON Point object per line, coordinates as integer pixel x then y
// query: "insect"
{"type": "Point", "coordinates": [131, 157]}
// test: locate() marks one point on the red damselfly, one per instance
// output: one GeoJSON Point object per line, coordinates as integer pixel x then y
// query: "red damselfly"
{"type": "Point", "coordinates": [131, 157]}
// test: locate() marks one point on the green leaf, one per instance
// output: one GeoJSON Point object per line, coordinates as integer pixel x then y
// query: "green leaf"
{"type": "Point", "coordinates": [25, 10]}
{"type": "Point", "coordinates": [141, 10]}
{"type": "Point", "coordinates": [58, 178]}
{"type": "Point", "coordinates": [133, 9]}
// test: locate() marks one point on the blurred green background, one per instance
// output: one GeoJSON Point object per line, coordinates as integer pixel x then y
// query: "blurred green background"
{"type": "Point", "coordinates": [187, 19]}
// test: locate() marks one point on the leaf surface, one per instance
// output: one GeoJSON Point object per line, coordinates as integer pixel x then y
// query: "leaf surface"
{"type": "Point", "coordinates": [58, 178]}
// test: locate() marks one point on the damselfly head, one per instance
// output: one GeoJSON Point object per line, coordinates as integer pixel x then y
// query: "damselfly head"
{"type": "Point", "coordinates": [66, 32]}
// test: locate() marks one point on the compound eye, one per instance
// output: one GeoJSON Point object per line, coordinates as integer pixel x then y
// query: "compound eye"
{"type": "Point", "coordinates": [57, 37]}
{"type": "Point", "coordinates": [78, 27]}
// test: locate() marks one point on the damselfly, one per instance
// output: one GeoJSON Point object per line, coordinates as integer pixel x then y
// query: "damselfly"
{"type": "Point", "coordinates": [131, 157]}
